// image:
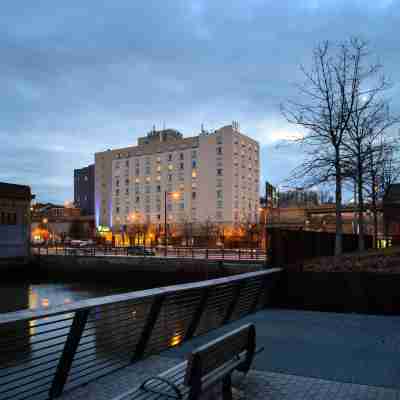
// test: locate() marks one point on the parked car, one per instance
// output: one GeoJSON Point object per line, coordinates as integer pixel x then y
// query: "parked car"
{"type": "Point", "coordinates": [140, 251]}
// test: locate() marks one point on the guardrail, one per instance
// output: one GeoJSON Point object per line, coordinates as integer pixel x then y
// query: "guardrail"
{"type": "Point", "coordinates": [48, 351]}
{"type": "Point", "coordinates": [174, 252]}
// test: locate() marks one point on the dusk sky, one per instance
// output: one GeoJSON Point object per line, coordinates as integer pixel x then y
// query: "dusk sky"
{"type": "Point", "coordinates": [78, 77]}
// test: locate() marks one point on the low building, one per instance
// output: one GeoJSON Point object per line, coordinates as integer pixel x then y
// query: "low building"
{"type": "Point", "coordinates": [15, 202]}
{"type": "Point", "coordinates": [51, 222]}
{"type": "Point", "coordinates": [391, 212]}
{"type": "Point", "coordinates": [84, 189]}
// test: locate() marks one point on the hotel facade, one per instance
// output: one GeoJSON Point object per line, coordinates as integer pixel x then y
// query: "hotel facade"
{"type": "Point", "coordinates": [210, 177]}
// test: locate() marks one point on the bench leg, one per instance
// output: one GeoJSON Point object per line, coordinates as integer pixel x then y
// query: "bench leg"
{"type": "Point", "coordinates": [227, 388]}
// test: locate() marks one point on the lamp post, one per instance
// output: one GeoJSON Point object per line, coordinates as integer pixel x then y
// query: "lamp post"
{"type": "Point", "coordinates": [175, 195]}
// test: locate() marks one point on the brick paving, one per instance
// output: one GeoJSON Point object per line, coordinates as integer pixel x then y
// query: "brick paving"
{"type": "Point", "coordinates": [308, 356]}
{"type": "Point", "coordinates": [257, 385]}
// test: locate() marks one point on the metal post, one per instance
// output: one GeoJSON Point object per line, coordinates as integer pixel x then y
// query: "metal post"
{"type": "Point", "coordinates": [71, 344]}
{"type": "Point", "coordinates": [148, 328]}
{"type": "Point", "coordinates": [235, 299]}
{"type": "Point", "coordinates": [197, 314]}
{"type": "Point", "coordinates": [165, 224]}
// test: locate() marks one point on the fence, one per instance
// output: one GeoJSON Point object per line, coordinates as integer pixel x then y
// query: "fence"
{"type": "Point", "coordinates": [291, 247]}
{"type": "Point", "coordinates": [47, 351]}
{"type": "Point", "coordinates": [159, 251]}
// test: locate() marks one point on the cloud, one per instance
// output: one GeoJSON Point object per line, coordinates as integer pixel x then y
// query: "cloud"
{"type": "Point", "coordinates": [80, 77]}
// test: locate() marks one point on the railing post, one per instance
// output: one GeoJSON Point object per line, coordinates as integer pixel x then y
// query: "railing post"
{"type": "Point", "coordinates": [197, 314]}
{"type": "Point", "coordinates": [235, 299]}
{"type": "Point", "coordinates": [266, 280]}
{"type": "Point", "coordinates": [206, 253]}
{"type": "Point", "coordinates": [67, 356]}
{"type": "Point", "coordinates": [148, 328]}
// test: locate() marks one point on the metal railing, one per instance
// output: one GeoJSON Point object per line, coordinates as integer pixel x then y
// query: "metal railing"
{"type": "Point", "coordinates": [158, 251]}
{"type": "Point", "coordinates": [48, 351]}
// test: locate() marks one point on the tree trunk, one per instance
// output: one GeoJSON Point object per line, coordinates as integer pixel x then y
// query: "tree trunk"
{"type": "Point", "coordinates": [338, 204]}
{"type": "Point", "coordinates": [361, 241]}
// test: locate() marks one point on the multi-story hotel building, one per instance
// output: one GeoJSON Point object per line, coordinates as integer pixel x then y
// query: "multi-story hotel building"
{"type": "Point", "coordinates": [210, 177]}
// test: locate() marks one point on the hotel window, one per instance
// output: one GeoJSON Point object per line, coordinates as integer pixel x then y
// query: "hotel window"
{"type": "Point", "coordinates": [169, 207]}
{"type": "Point", "coordinates": [137, 188]}
{"type": "Point", "coordinates": [219, 150]}
{"type": "Point", "coordinates": [219, 215]}
{"type": "Point", "coordinates": [127, 191]}
{"type": "Point", "coordinates": [219, 194]}
{"type": "Point", "coordinates": [194, 174]}
{"type": "Point", "coordinates": [158, 168]}
{"type": "Point", "coordinates": [137, 172]}
{"type": "Point", "coordinates": [148, 179]}
{"type": "Point", "coordinates": [182, 206]}
{"type": "Point", "coordinates": [181, 165]}
{"type": "Point", "coordinates": [194, 163]}
{"type": "Point", "coordinates": [158, 159]}
{"type": "Point", "coordinates": [158, 178]}
{"type": "Point", "coordinates": [181, 156]}
{"type": "Point", "coordinates": [126, 181]}
{"type": "Point", "coordinates": [170, 167]}
{"type": "Point", "coordinates": [137, 200]}
{"type": "Point", "coordinates": [194, 195]}
{"type": "Point", "coordinates": [170, 178]}
{"type": "Point", "coordinates": [117, 164]}
{"type": "Point", "coordinates": [169, 157]}
{"type": "Point", "coordinates": [219, 172]}
{"type": "Point", "coordinates": [181, 177]}
{"type": "Point", "coordinates": [194, 154]}
{"type": "Point", "coordinates": [117, 192]}
{"type": "Point", "coordinates": [127, 163]}
{"type": "Point", "coordinates": [147, 208]}
{"type": "Point", "coordinates": [220, 204]}
{"type": "Point", "coordinates": [181, 187]}
{"type": "Point", "coordinates": [194, 185]}
{"type": "Point", "coordinates": [147, 171]}
{"type": "Point", "coordinates": [158, 188]}
{"type": "Point", "coordinates": [117, 183]}
{"type": "Point", "coordinates": [117, 210]}
{"type": "Point", "coordinates": [219, 140]}
{"type": "Point", "coordinates": [148, 189]}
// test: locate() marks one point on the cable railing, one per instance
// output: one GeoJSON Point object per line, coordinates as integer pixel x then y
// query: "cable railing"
{"type": "Point", "coordinates": [45, 352]}
{"type": "Point", "coordinates": [217, 254]}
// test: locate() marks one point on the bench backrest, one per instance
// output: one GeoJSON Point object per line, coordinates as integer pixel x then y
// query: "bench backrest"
{"type": "Point", "coordinates": [215, 354]}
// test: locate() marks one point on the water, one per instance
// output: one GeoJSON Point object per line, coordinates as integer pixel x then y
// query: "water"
{"type": "Point", "coordinates": [38, 296]}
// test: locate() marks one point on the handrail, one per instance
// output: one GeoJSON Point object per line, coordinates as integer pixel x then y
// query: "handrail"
{"type": "Point", "coordinates": [42, 355]}
{"type": "Point", "coordinates": [24, 315]}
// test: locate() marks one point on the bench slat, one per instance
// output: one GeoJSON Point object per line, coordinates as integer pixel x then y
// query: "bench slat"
{"type": "Point", "coordinates": [216, 353]}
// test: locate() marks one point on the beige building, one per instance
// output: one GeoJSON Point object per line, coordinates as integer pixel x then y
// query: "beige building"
{"type": "Point", "coordinates": [213, 176]}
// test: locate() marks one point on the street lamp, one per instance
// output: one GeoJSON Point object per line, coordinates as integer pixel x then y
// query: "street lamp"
{"type": "Point", "coordinates": [175, 196]}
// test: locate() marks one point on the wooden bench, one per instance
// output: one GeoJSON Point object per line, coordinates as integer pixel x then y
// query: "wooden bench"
{"type": "Point", "coordinates": [205, 367]}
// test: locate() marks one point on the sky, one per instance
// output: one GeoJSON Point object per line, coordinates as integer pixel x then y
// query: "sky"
{"type": "Point", "coordinates": [78, 77]}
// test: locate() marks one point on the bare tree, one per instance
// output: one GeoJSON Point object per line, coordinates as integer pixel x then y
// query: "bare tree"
{"type": "Point", "coordinates": [329, 96]}
{"type": "Point", "coordinates": [383, 170]}
{"type": "Point", "coordinates": [369, 123]}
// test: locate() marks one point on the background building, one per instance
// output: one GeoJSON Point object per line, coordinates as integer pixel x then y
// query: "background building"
{"type": "Point", "coordinates": [210, 177]}
{"type": "Point", "coordinates": [15, 201]}
{"type": "Point", "coordinates": [84, 189]}
{"type": "Point", "coordinates": [298, 198]}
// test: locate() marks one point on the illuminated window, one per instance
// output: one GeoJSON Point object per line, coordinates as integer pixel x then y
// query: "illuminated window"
{"type": "Point", "coordinates": [148, 179]}
{"type": "Point", "coordinates": [194, 174]}
{"type": "Point", "coordinates": [158, 168]}
{"type": "Point", "coordinates": [170, 167]}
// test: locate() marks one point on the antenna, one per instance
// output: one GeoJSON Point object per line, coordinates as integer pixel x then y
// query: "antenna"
{"type": "Point", "coordinates": [202, 128]}
{"type": "Point", "coordinates": [154, 127]}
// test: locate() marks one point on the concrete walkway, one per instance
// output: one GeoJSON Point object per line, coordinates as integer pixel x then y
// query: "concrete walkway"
{"type": "Point", "coordinates": [308, 355]}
